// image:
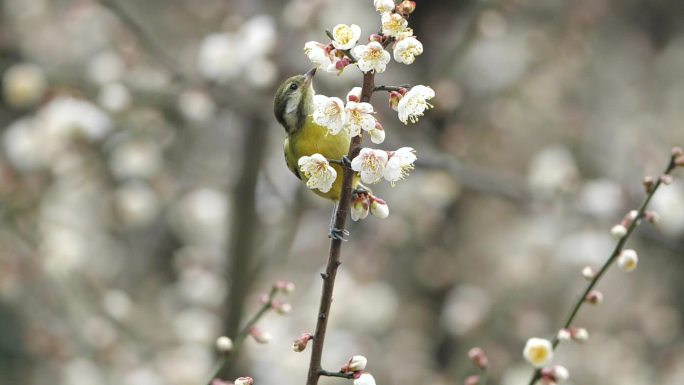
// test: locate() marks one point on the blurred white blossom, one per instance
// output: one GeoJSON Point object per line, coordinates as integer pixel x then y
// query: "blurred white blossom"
{"type": "Point", "coordinates": [114, 97]}
{"type": "Point", "coordinates": [196, 106]}
{"type": "Point", "coordinates": [105, 67]}
{"type": "Point", "coordinates": [137, 204]}
{"type": "Point", "coordinates": [136, 159]}
{"type": "Point", "coordinates": [23, 85]}
{"type": "Point", "coordinates": [219, 57]}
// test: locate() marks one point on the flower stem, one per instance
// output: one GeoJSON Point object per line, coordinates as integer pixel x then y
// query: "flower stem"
{"type": "Point", "coordinates": [315, 369]}
{"type": "Point", "coordinates": [336, 374]}
{"type": "Point", "coordinates": [613, 256]}
{"type": "Point", "coordinates": [227, 360]}
{"type": "Point", "coordinates": [392, 88]}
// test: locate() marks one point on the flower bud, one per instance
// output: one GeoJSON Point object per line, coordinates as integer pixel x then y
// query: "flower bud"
{"type": "Point", "coordinates": [679, 161]}
{"type": "Point", "coordinates": [564, 335]}
{"type": "Point", "coordinates": [648, 183]}
{"type": "Point", "coordinates": [628, 260]}
{"type": "Point", "coordinates": [538, 352]}
{"type": "Point", "coordinates": [652, 216]}
{"type": "Point", "coordinates": [224, 344]}
{"type": "Point", "coordinates": [579, 334]}
{"type": "Point", "coordinates": [472, 380]}
{"type": "Point", "coordinates": [376, 37]}
{"type": "Point", "coordinates": [554, 374]}
{"type": "Point", "coordinates": [407, 7]}
{"type": "Point", "coordinates": [377, 134]}
{"type": "Point", "coordinates": [618, 231]}
{"type": "Point", "coordinates": [300, 343]}
{"type": "Point", "coordinates": [285, 287]}
{"type": "Point", "coordinates": [589, 273]}
{"type": "Point", "coordinates": [478, 357]}
{"type": "Point", "coordinates": [666, 179]}
{"type": "Point", "coordinates": [264, 299]}
{"type": "Point", "coordinates": [677, 152]}
{"type": "Point", "coordinates": [355, 364]}
{"type": "Point", "coordinates": [594, 297]}
{"type": "Point", "coordinates": [342, 63]}
{"type": "Point", "coordinates": [359, 207]}
{"type": "Point", "coordinates": [354, 95]}
{"type": "Point", "coordinates": [281, 308]}
{"type": "Point", "coordinates": [259, 335]}
{"type": "Point", "coordinates": [244, 381]}
{"type": "Point", "coordinates": [379, 208]}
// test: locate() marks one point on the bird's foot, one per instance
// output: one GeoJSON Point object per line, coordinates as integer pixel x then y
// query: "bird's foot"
{"type": "Point", "coordinates": [338, 234]}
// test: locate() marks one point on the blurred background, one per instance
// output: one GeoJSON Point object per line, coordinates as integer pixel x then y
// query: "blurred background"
{"type": "Point", "coordinates": [145, 203]}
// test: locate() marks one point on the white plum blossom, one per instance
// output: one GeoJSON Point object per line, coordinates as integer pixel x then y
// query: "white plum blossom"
{"type": "Point", "coordinates": [383, 6]}
{"type": "Point", "coordinates": [377, 135]}
{"type": "Point", "coordinates": [359, 208]}
{"type": "Point", "coordinates": [371, 164]}
{"type": "Point", "coordinates": [318, 172]}
{"type": "Point", "coordinates": [114, 97]}
{"type": "Point", "coordinates": [364, 379]}
{"type": "Point", "coordinates": [395, 25]}
{"type": "Point", "coordinates": [399, 163]}
{"type": "Point", "coordinates": [406, 50]}
{"type": "Point", "coordinates": [414, 103]}
{"type": "Point", "coordinates": [359, 117]}
{"type": "Point", "coordinates": [329, 113]}
{"type": "Point", "coordinates": [320, 55]}
{"type": "Point", "coordinates": [379, 208]}
{"type": "Point", "coordinates": [538, 352]}
{"type": "Point", "coordinates": [372, 57]}
{"type": "Point", "coordinates": [345, 36]}
{"type": "Point", "coordinates": [628, 260]}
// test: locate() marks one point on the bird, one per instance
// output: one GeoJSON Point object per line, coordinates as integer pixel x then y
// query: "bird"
{"type": "Point", "coordinates": [293, 108]}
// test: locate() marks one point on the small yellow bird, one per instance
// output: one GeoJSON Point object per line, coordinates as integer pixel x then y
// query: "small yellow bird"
{"type": "Point", "coordinates": [293, 107]}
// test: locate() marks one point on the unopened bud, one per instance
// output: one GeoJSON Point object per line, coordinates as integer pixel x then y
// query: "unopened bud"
{"type": "Point", "coordinates": [589, 273]}
{"type": "Point", "coordinates": [281, 308]}
{"type": "Point", "coordinates": [224, 344]}
{"type": "Point", "coordinates": [478, 357]}
{"type": "Point", "coordinates": [354, 95]}
{"type": "Point", "coordinates": [579, 334]}
{"type": "Point", "coordinates": [360, 207]}
{"type": "Point", "coordinates": [594, 297]}
{"type": "Point", "coordinates": [679, 161]}
{"type": "Point", "coordinates": [649, 183]}
{"type": "Point", "coordinates": [666, 179]}
{"type": "Point", "coordinates": [618, 231]}
{"type": "Point", "coordinates": [472, 380]}
{"type": "Point", "coordinates": [285, 287]}
{"type": "Point", "coordinates": [407, 7]}
{"type": "Point", "coordinates": [394, 98]}
{"type": "Point", "coordinates": [379, 208]}
{"type": "Point", "coordinates": [300, 343]}
{"type": "Point", "coordinates": [355, 364]}
{"type": "Point", "coordinates": [376, 37]}
{"type": "Point", "coordinates": [259, 335]}
{"type": "Point", "coordinates": [564, 335]}
{"type": "Point", "coordinates": [652, 216]}
{"type": "Point", "coordinates": [377, 134]}
{"type": "Point", "coordinates": [264, 299]}
{"type": "Point", "coordinates": [677, 152]}
{"type": "Point", "coordinates": [244, 381]}
{"type": "Point", "coordinates": [340, 64]}
{"type": "Point", "coordinates": [554, 374]}
{"type": "Point", "coordinates": [628, 260]}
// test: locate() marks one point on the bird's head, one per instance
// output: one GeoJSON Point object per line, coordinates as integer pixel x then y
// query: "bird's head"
{"type": "Point", "coordinates": [294, 101]}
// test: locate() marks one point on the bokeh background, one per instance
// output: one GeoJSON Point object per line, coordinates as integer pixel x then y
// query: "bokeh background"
{"type": "Point", "coordinates": [145, 203]}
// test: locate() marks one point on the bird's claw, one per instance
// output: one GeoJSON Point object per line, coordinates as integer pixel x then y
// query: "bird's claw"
{"type": "Point", "coordinates": [338, 234]}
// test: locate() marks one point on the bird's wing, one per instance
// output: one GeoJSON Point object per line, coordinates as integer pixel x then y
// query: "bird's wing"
{"type": "Point", "coordinates": [290, 158]}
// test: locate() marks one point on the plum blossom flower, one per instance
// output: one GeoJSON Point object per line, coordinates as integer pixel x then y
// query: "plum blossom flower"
{"type": "Point", "coordinates": [395, 25]}
{"type": "Point", "coordinates": [318, 172]}
{"type": "Point", "coordinates": [628, 260]}
{"type": "Point", "coordinates": [320, 55]}
{"type": "Point", "coordinates": [377, 135]}
{"type": "Point", "coordinates": [414, 103]}
{"type": "Point", "coordinates": [219, 57]}
{"type": "Point", "coordinates": [372, 57]}
{"type": "Point", "coordinates": [371, 164]}
{"type": "Point", "coordinates": [406, 50]}
{"type": "Point", "coordinates": [383, 6]}
{"type": "Point", "coordinates": [329, 113]}
{"type": "Point", "coordinates": [23, 85]}
{"type": "Point", "coordinates": [364, 378]}
{"type": "Point", "coordinates": [538, 352]}
{"type": "Point", "coordinates": [345, 36]}
{"type": "Point", "coordinates": [399, 163]}
{"type": "Point", "coordinates": [359, 117]}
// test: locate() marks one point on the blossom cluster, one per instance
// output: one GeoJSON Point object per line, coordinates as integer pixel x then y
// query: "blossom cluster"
{"type": "Point", "coordinates": [355, 117]}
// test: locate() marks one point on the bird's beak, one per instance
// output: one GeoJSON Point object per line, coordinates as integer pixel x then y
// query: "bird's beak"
{"type": "Point", "coordinates": [309, 75]}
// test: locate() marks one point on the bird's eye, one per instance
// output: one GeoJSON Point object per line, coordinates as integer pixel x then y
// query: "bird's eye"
{"type": "Point", "coordinates": [293, 86]}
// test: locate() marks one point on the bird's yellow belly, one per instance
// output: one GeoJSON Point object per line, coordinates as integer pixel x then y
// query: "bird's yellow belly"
{"type": "Point", "coordinates": [312, 139]}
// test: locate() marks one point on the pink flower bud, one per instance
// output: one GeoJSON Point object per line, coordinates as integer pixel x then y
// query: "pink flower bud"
{"type": "Point", "coordinates": [218, 381]}
{"type": "Point", "coordinates": [285, 287]}
{"type": "Point", "coordinates": [340, 64]}
{"type": "Point", "coordinates": [394, 98]}
{"type": "Point", "coordinates": [259, 335]}
{"type": "Point", "coordinates": [554, 374]}
{"type": "Point", "coordinates": [579, 334]}
{"type": "Point", "coordinates": [648, 183]}
{"type": "Point", "coordinates": [652, 216]}
{"type": "Point", "coordinates": [472, 380]}
{"type": "Point", "coordinates": [479, 358]}
{"type": "Point", "coordinates": [281, 307]}
{"type": "Point", "coordinates": [677, 152]}
{"type": "Point", "coordinates": [244, 381]}
{"type": "Point", "coordinates": [564, 335]}
{"type": "Point", "coordinates": [376, 37]}
{"type": "Point", "coordinates": [264, 299]}
{"type": "Point", "coordinates": [666, 179]}
{"type": "Point", "coordinates": [300, 343]}
{"type": "Point", "coordinates": [594, 297]}
{"type": "Point", "coordinates": [355, 364]}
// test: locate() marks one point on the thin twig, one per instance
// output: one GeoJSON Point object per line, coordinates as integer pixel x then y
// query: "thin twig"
{"type": "Point", "coordinates": [613, 256]}
{"type": "Point", "coordinates": [391, 88]}
{"type": "Point", "coordinates": [336, 374]}
{"type": "Point", "coordinates": [228, 359]}
{"type": "Point", "coordinates": [335, 247]}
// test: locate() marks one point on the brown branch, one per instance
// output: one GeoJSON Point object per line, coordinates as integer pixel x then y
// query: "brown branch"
{"type": "Point", "coordinates": [392, 88]}
{"type": "Point", "coordinates": [335, 247]}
